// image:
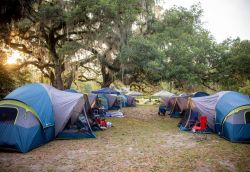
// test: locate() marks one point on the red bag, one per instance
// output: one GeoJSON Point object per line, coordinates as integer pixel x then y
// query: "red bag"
{"type": "Point", "coordinates": [98, 120]}
{"type": "Point", "coordinates": [104, 123]}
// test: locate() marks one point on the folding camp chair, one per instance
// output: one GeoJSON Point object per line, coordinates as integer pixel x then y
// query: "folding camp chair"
{"type": "Point", "coordinates": [202, 125]}
{"type": "Point", "coordinates": [200, 129]}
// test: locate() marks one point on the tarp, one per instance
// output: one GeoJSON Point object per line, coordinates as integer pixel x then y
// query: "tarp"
{"type": "Point", "coordinates": [106, 91]}
{"type": "Point", "coordinates": [117, 114]}
{"type": "Point", "coordinates": [163, 93]}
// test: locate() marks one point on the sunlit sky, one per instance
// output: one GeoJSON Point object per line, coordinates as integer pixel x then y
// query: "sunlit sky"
{"type": "Point", "coordinates": [223, 18]}
{"type": "Point", "coordinates": [13, 57]}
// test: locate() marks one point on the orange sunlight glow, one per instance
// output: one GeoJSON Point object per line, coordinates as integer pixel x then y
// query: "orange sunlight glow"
{"type": "Point", "coordinates": [13, 58]}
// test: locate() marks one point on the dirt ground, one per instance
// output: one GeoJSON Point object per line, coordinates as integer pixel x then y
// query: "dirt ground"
{"type": "Point", "coordinates": [142, 141]}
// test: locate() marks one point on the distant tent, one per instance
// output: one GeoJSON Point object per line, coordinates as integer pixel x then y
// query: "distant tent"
{"type": "Point", "coordinates": [114, 101]}
{"type": "Point", "coordinates": [106, 91]}
{"type": "Point", "coordinates": [200, 94]}
{"type": "Point", "coordinates": [185, 94]}
{"type": "Point", "coordinates": [123, 99]}
{"type": "Point", "coordinates": [134, 93]}
{"type": "Point", "coordinates": [163, 93]}
{"type": "Point", "coordinates": [178, 105]}
{"type": "Point", "coordinates": [92, 99]}
{"type": "Point", "coordinates": [165, 102]}
{"type": "Point", "coordinates": [111, 100]}
{"type": "Point", "coordinates": [35, 114]}
{"type": "Point", "coordinates": [103, 101]}
{"type": "Point", "coordinates": [228, 114]}
{"type": "Point", "coordinates": [131, 100]}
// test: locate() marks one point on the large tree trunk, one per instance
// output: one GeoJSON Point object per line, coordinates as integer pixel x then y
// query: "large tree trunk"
{"type": "Point", "coordinates": [69, 80]}
{"type": "Point", "coordinates": [58, 69]}
{"type": "Point", "coordinates": [107, 76]}
{"type": "Point", "coordinates": [58, 82]}
{"type": "Point", "coordinates": [59, 66]}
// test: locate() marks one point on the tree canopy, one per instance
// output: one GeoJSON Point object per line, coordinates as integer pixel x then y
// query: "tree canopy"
{"type": "Point", "coordinates": [134, 42]}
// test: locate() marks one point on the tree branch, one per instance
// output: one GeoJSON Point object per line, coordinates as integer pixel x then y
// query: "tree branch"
{"type": "Point", "coordinates": [20, 47]}
{"type": "Point", "coordinates": [34, 63]}
{"type": "Point", "coordinates": [85, 79]}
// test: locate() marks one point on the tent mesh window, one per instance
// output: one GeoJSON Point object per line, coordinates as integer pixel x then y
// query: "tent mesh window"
{"type": "Point", "coordinates": [8, 114]}
{"type": "Point", "coordinates": [247, 116]}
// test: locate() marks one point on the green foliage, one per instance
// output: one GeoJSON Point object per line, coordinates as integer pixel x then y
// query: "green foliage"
{"type": "Point", "coordinates": [51, 13]}
{"type": "Point", "coordinates": [246, 88]}
{"type": "Point", "coordinates": [176, 48]}
{"type": "Point", "coordinates": [21, 77]}
{"type": "Point", "coordinates": [68, 49]}
{"type": "Point", "coordinates": [87, 88]}
{"type": "Point", "coordinates": [141, 61]}
{"type": "Point", "coordinates": [234, 65]}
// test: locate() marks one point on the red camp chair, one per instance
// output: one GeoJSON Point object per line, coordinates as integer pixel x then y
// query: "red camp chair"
{"type": "Point", "coordinates": [202, 125]}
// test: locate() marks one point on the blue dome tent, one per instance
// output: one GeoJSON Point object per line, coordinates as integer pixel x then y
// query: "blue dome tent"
{"type": "Point", "coordinates": [228, 114]}
{"type": "Point", "coordinates": [35, 114]}
{"type": "Point", "coordinates": [233, 117]}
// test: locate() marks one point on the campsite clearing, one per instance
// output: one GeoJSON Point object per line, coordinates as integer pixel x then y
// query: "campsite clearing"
{"type": "Point", "coordinates": [142, 141]}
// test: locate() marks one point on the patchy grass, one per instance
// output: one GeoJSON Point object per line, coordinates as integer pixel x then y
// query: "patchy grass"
{"type": "Point", "coordinates": [142, 141]}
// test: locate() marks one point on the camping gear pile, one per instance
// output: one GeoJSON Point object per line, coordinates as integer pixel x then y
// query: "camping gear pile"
{"type": "Point", "coordinates": [226, 113]}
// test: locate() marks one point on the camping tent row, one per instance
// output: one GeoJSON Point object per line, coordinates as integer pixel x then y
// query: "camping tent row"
{"type": "Point", "coordinates": [111, 99]}
{"type": "Point", "coordinates": [177, 105]}
{"type": "Point", "coordinates": [228, 114]}
{"type": "Point", "coordinates": [35, 114]}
